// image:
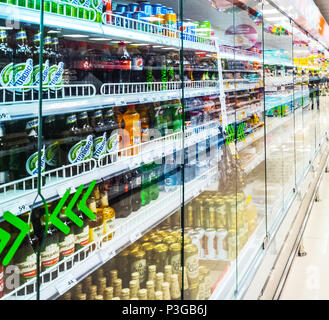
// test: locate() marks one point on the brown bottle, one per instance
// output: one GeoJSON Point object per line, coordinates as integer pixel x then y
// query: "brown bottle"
{"type": "Point", "coordinates": [95, 226]}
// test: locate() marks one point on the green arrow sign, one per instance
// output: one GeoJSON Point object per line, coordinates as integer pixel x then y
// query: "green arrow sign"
{"type": "Point", "coordinates": [24, 227]}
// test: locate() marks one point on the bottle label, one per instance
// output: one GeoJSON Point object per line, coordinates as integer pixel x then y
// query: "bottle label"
{"type": "Point", "coordinates": [109, 220]}
{"type": "Point", "coordinates": [192, 267]}
{"type": "Point", "coordinates": [6, 75]}
{"type": "Point", "coordinates": [23, 75]}
{"type": "Point", "coordinates": [96, 233]}
{"type": "Point", "coordinates": [71, 119]}
{"type": "Point", "coordinates": [137, 64]}
{"type": "Point", "coordinates": [52, 152]}
{"type": "Point", "coordinates": [112, 143]}
{"type": "Point", "coordinates": [83, 150]}
{"type": "Point", "coordinates": [56, 73]}
{"type": "Point", "coordinates": [66, 247]}
{"type": "Point", "coordinates": [50, 255]}
{"type": "Point", "coordinates": [21, 35]}
{"type": "Point", "coordinates": [98, 5]}
{"type": "Point", "coordinates": [176, 263]}
{"type": "Point", "coordinates": [86, 4]}
{"type": "Point", "coordinates": [33, 124]}
{"type": "Point", "coordinates": [99, 146]}
{"type": "Point", "coordinates": [47, 41]}
{"type": "Point", "coordinates": [28, 268]}
{"type": "Point", "coordinates": [124, 65]}
{"type": "Point", "coordinates": [32, 162]}
{"type": "Point", "coordinates": [83, 115]}
{"type": "Point", "coordinates": [98, 114]}
{"type": "Point", "coordinates": [3, 34]}
{"type": "Point", "coordinates": [82, 239]}
{"type": "Point", "coordinates": [45, 74]}
{"type": "Point", "coordinates": [140, 267]}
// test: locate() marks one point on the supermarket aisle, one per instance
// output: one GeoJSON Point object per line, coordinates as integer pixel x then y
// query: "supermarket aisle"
{"type": "Point", "coordinates": [308, 278]}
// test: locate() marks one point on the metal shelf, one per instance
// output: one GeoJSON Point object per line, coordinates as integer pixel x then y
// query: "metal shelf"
{"type": "Point", "coordinates": [127, 231]}
{"type": "Point", "coordinates": [113, 95]}
{"type": "Point", "coordinates": [124, 28]}
{"type": "Point", "coordinates": [16, 198]}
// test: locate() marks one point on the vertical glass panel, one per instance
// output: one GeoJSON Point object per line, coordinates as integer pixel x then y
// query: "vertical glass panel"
{"type": "Point", "coordinates": [209, 162]}
{"type": "Point", "coordinates": [19, 94]}
{"type": "Point", "coordinates": [113, 133]}
{"type": "Point", "coordinates": [278, 69]}
{"type": "Point", "coordinates": [301, 92]}
{"type": "Point", "coordinates": [247, 112]}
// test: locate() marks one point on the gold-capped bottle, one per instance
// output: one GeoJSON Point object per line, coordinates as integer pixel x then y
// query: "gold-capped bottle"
{"type": "Point", "coordinates": [101, 286]}
{"type": "Point", "coordinates": [113, 276]}
{"type": "Point", "coordinates": [123, 266]}
{"type": "Point", "coordinates": [92, 292]}
{"type": "Point", "coordinates": [76, 291]}
{"type": "Point", "coordinates": [99, 297]}
{"type": "Point", "coordinates": [152, 272]}
{"type": "Point", "coordinates": [166, 291]}
{"type": "Point", "coordinates": [191, 261]}
{"type": "Point", "coordinates": [117, 287]}
{"type": "Point", "coordinates": [135, 276]}
{"type": "Point", "coordinates": [158, 295]}
{"type": "Point", "coordinates": [175, 292]}
{"type": "Point", "coordinates": [167, 273]}
{"type": "Point", "coordinates": [108, 216]}
{"type": "Point", "coordinates": [67, 296]}
{"type": "Point", "coordinates": [125, 294]}
{"type": "Point", "coordinates": [82, 296]}
{"type": "Point", "coordinates": [159, 278]}
{"type": "Point", "coordinates": [108, 293]}
{"type": "Point", "coordinates": [95, 226]}
{"type": "Point", "coordinates": [87, 283]}
{"type": "Point", "coordinates": [175, 257]}
{"type": "Point", "coordinates": [133, 288]}
{"type": "Point", "coordinates": [142, 294]}
{"type": "Point", "coordinates": [150, 290]}
{"type": "Point", "coordinates": [138, 264]}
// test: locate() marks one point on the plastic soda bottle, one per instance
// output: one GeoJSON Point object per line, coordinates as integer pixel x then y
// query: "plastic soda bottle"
{"type": "Point", "coordinates": [133, 127]}
{"type": "Point", "coordinates": [154, 179]}
{"type": "Point", "coordinates": [146, 184]}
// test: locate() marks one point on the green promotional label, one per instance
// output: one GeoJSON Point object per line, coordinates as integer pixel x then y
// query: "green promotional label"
{"type": "Point", "coordinates": [7, 75]}
{"type": "Point", "coordinates": [52, 152]}
{"type": "Point", "coordinates": [83, 150]}
{"type": "Point", "coordinates": [32, 163]}
{"type": "Point", "coordinates": [99, 146]}
{"type": "Point", "coordinates": [112, 143]}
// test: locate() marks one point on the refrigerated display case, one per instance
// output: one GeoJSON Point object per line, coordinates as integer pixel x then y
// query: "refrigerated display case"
{"type": "Point", "coordinates": [159, 152]}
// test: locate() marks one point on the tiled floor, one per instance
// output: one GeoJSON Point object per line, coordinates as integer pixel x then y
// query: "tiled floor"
{"type": "Point", "coordinates": [308, 278]}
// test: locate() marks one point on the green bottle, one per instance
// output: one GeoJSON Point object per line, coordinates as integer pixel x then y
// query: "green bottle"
{"type": "Point", "coordinates": [146, 185]}
{"type": "Point", "coordinates": [177, 117]}
{"type": "Point", "coordinates": [97, 5]}
{"type": "Point", "coordinates": [154, 180]}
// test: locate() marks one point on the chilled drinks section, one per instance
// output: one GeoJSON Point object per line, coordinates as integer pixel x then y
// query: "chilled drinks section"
{"type": "Point", "coordinates": [167, 118]}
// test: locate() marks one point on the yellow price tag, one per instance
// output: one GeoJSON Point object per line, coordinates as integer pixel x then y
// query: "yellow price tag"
{"type": "Point", "coordinates": [249, 199]}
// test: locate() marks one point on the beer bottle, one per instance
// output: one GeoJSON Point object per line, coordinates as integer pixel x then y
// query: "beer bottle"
{"type": "Point", "coordinates": [81, 235]}
{"type": "Point", "coordinates": [142, 294]}
{"type": "Point", "coordinates": [136, 197]}
{"type": "Point", "coordinates": [95, 226]}
{"type": "Point", "coordinates": [133, 288]}
{"type": "Point", "coordinates": [50, 132]}
{"type": "Point", "coordinates": [122, 203]}
{"type": "Point", "coordinates": [4, 156]}
{"type": "Point", "coordinates": [165, 288]}
{"type": "Point", "coordinates": [6, 68]}
{"type": "Point", "coordinates": [23, 67]}
{"type": "Point", "coordinates": [100, 140]}
{"type": "Point", "coordinates": [66, 242]}
{"type": "Point", "coordinates": [150, 290]}
{"type": "Point", "coordinates": [108, 216]}
{"type": "Point", "coordinates": [56, 71]}
{"type": "Point", "coordinates": [108, 293]}
{"type": "Point", "coordinates": [111, 124]}
{"type": "Point", "coordinates": [50, 252]}
{"type": "Point", "coordinates": [112, 277]}
{"type": "Point", "coordinates": [25, 258]}
{"type": "Point", "coordinates": [175, 292]}
{"type": "Point", "coordinates": [117, 287]}
{"type": "Point", "coordinates": [125, 294]}
{"type": "Point", "coordinates": [101, 285]}
{"type": "Point", "coordinates": [70, 145]}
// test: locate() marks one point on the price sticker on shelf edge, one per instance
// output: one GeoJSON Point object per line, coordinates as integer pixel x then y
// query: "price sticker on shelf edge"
{"type": "Point", "coordinates": [4, 114]}
{"type": "Point", "coordinates": [67, 283]}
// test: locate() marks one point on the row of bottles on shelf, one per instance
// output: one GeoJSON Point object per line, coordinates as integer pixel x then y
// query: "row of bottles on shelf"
{"type": "Point", "coordinates": [72, 138]}
{"type": "Point", "coordinates": [149, 269]}
{"type": "Point", "coordinates": [163, 20]}
{"type": "Point", "coordinates": [72, 62]}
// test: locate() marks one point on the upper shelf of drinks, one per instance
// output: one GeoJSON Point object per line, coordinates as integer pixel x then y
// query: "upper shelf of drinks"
{"type": "Point", "coordinates": [142, 21]}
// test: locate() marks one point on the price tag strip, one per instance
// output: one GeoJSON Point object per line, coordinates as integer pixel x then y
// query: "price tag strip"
{"type": "Point", "coordinates": [66, 284]}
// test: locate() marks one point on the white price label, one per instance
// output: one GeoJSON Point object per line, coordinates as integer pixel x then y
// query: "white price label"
{"type": "Point", "coordinates": [4, 114]}
{"type": "Point", "coordinates": [66, 284]}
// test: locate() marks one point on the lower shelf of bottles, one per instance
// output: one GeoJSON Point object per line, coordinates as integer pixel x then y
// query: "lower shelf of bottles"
{"type": "Point", "coordinates": [126, 231]}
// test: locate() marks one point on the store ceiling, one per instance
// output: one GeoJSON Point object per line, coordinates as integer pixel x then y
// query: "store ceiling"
{"type": "Point", "coordinates": [323, 5]}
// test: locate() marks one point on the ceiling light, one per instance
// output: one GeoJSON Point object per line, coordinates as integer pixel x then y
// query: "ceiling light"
{"type": "Point", "coordinates": [75, 36]}
{"type": "Point", "coordinates": [6, 28]}
{"type": "Point", "coordinates": [139, 44]}
{"type": "Point", "coordinates": [157, 46]}
{"type": "Point", "coordinates": [115, 41]}
{"type": "Point", "coordinates": [54, 31]}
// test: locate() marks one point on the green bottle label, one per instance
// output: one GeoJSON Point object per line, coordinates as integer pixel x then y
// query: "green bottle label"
{"type": "Point", "coordinates": [6, 76]}
{"type": "Point", "coordinates": [112, 143]}
{"type": "Point", "coordinates": [52, 152]}
{"type": "Point", "coordinates": [32, 163]}
{"type": "Point", "coordinates": [23, 75]}
{"type": "Point", "coordinates": [56, 75]}
{"type": "Point", "coordinates": [99, 146]}
{"type": "Point", "coordinates": [83, 150]}
{"type": "Point", "coordinates": [45, 74]}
